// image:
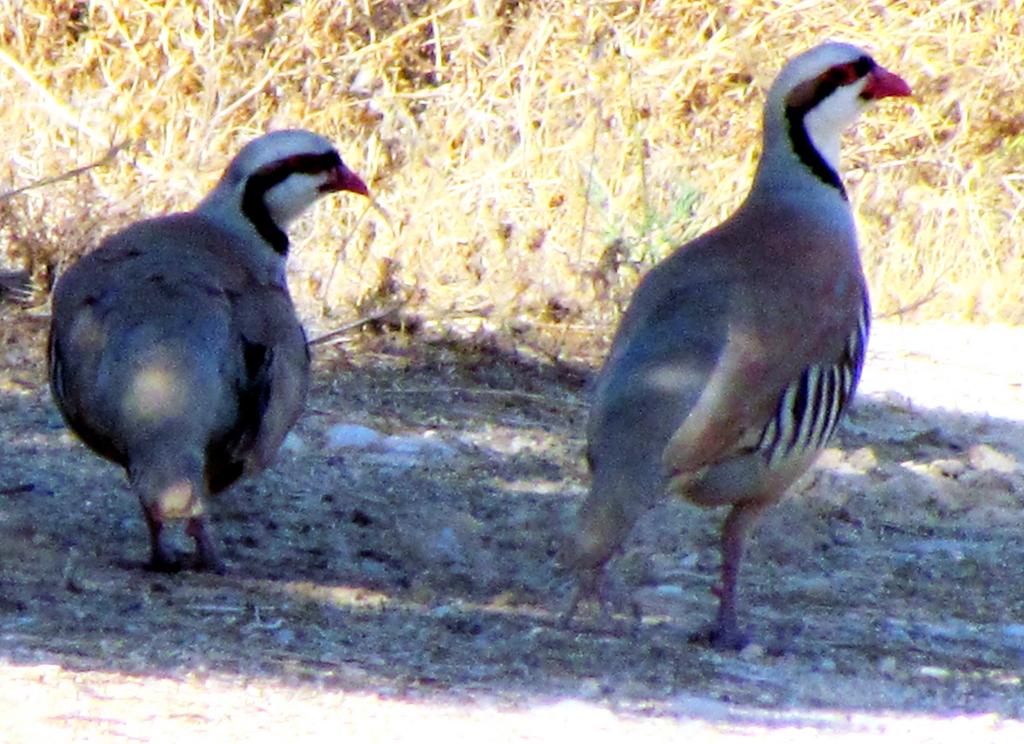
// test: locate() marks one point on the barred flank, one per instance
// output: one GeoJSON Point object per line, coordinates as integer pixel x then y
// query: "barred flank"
{"type": "Point", "coordinates": [811, 405]}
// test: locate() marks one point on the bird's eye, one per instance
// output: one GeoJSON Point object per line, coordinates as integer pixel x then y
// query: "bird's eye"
{"type": "Point", "coordinates": [847, 73]}
{"type": "Point", "coordinates": [840, 75]}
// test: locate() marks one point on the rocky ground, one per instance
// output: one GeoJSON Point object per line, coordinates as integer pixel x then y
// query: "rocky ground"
{"type": "Point", "coordinates": [402, 585]}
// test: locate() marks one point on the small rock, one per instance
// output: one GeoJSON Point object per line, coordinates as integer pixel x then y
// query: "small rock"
{"type": "Point", "coordinates": [352, 672]}
{"type": "Point", "coordinates": [398, 451]}
{"type": "Point", "coordinates": [293, 444]}
{"type": "Point", "coordinates": [418, 446]}
{"type": "Point", "coordinates": [948, 468]}
{"type": "Point", "coordinates": [887, 665]}
{"type": "Point", "coordinates": [857, 462]}
{"type": "Point", "coordinates": [816, 587]}
{"type": "Point", "coordinates": [984, 457]}
{"type": "Point", "coordinates": [342, 436]}
{"type": "Point", "coordinates": [863, 459]}
{"type": "Point", "coordinates": [831, 458]}
{"type": "Point", "coordinates": [752, 652]}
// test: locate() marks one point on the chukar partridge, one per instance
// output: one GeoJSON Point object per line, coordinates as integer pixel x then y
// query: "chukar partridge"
{"type": "Point", "coordinates": [740, 351]}
{"type": "Point", "coordinates": [175, 350]}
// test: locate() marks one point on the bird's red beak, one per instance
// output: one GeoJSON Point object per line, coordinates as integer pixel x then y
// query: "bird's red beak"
{"type": "Point", "coordinates": [342, 179]}
{"type": "Point", "coordinates": [884, 84]}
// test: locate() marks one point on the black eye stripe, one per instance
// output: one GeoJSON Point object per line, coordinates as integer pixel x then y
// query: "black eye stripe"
{"type": "Point", "coordinates": [809, 94]}
{"type": "Point", "coordinates": [840, 75]}
{"type": "Point", "coordinates": [863, 66]}
{"type": "Point", "coordinates": [307, 163]}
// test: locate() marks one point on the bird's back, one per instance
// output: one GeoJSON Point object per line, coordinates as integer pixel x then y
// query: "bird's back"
{"type": "Point", "coordinates": [162, 337]}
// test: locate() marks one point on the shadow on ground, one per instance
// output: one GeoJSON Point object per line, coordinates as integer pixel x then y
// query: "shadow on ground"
{"type": "Point", "coordinates": [895, 570]}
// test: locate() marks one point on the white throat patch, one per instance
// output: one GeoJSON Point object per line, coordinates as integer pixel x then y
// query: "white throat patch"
{"type": "Point", "coordinates": [826, 121]}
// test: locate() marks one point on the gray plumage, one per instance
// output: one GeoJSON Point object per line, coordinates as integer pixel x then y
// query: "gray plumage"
{"type": "Point", "coordinates": [739, 352]}
{"type": "Point", "coordinates": [175, 350]}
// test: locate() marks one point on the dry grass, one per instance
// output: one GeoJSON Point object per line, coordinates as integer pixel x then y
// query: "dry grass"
{"type": "Point", "coordinates": [532, 155]}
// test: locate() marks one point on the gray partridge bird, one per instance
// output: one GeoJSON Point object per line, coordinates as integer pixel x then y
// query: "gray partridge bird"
{"type": "Point", "coordinates": [175, 350]}
{"type": "Point", "coordinates": [740, 351]}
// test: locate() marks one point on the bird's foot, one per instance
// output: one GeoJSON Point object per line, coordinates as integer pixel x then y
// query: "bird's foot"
{"type": "Point", "coordinates": [207, 555]}
{"type": "Point", "coordinates": [185, 562]}
{"type": "Point", "coordinates": [721, 637]}
{"type": "Point", "coordinates": [168, 561]}
{"type": "Point", "coordinates": [209, 563]}
{"type": "Point", "coordinates": [595, 587]}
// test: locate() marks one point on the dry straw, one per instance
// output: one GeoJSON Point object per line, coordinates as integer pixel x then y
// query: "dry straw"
{"type": "Point", "coordinates": [534, 157]}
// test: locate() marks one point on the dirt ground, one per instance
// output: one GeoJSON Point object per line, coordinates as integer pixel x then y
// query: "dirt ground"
{"type": "Point", "coordinates": [397, 595]}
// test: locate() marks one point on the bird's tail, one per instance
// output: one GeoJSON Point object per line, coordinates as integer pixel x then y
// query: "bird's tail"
{"type": "Point", "coordinates": [618, 497]}
{"type": "Point", "coordinates": [169, 484]}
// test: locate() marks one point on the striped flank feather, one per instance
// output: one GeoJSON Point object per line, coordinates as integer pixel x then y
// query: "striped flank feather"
{"type": "Point", "coordinates": [810, 407]}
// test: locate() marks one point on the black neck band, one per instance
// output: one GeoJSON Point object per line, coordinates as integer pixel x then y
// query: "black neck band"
{"type": "Point", "coordinates": [796, 114]}
{"type": "Point", "coordinates": [807, 152]}
{"type": "Point", "coordinates": [254, 204]}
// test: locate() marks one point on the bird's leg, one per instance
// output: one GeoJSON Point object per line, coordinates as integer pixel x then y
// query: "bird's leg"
{"type": "Point", "coordinates": [587, 582]}
{"type": "Point", "coordinates": [590, 583]}
{"type": "Point", "coordinates": [162, 557]}
{"type": "Point", "coordinates": [725, 632]}
{"type": "Point", "coordinates": [207, 553]}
